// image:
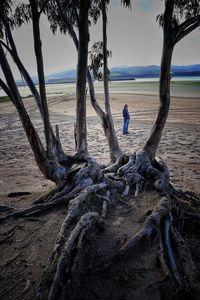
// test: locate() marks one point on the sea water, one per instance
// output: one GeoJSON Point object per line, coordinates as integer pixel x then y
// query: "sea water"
{"type": "Point", "coordinates": [137, 86]}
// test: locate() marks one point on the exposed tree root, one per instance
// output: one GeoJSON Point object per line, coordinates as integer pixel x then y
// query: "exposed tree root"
{"type": "Point", "coordinates": [191, 277]}
{"type": "Point", "coordinates": [36, 208]}
{"type": "Point", "coordinates": [73, 211]}
{"type": "Point", "coordinates": [52, 193]}
{"type": "Point", "coordinates": [91, 186]}
{"type": "Point", "coordinates": [120, 161]}
{"type": "Point", "coordinates": [151, 228]}
{"type": "Point", "coordinates": [69, 259]}
{"type": "Point", "coordinates": [170, 254]}
{"type": "Point", "coordinates": [140, 169]}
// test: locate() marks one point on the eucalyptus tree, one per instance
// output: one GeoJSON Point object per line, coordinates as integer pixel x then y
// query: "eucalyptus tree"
{"type": "Point", "coordinates": [179, 19]}
{"type": "Point", "coordinates": [90, 183]}
{"type": "Point", "coordinates": [60, 16]}
{"type": "Point", "coordinates": [53, 157]}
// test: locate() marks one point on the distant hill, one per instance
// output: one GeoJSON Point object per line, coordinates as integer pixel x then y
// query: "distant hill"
{"type": "Point", "coordinates": [124, 73]}
{"type": "Point", "coordinates": [152, 71]}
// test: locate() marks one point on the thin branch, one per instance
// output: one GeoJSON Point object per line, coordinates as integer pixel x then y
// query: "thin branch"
{"type": "Point", "coordinates": [186, 27]}
{"type": "Point", "coordinates": [6, 47]}
{"type": "Point", "coordinates": [67, 23]}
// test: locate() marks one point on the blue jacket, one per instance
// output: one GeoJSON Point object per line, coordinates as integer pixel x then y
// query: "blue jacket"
{"type": "Point", "coordinates": [126, 114]}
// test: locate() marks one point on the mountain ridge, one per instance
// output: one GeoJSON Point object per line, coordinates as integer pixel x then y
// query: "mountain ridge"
{"type": "Point", "coordinates": [124, 73]}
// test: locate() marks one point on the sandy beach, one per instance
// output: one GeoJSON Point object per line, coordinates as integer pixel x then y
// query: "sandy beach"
{"type": "Point", "coordinates": [180, 145]}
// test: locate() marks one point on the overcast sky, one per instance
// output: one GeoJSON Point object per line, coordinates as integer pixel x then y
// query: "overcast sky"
{"type": "Point", "coordinates": [133, 36]}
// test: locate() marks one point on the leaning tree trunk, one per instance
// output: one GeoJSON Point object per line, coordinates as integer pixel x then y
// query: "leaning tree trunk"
{"type": "Point", "coordinates": [22, 69]}
{"type": "Point", "coordinates": [164, 94]}
{"type": "Point", "coordinates": [164, 83]}
{"type": "Point", "coordinates": [34, 140]}
{"type": "Point", "coordinates": [115, 151]}
{"type": "Point", "coordinates": [13, 52]}
{"type": "Point", "coordinates": [80, 126]}
{"type": "Point", "coordinates": [40, 69]}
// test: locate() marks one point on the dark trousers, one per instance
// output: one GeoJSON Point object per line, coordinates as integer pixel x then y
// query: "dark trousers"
{"type": "Point", "coordinates": [125, 127]}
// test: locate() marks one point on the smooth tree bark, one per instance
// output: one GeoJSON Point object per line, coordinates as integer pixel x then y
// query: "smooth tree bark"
{"type": "Point", "coordinates": [80, 126]}
{"type": "Point", "coordinates": [112, 138]}
{"type": "Point", "coordinates": [11, 48]}
{"type": "Point", "coordinates": [13, 52]}
{"type": "Point", "coordinates": [89, 192]}
{"type": "Point", "coordinates": [34, 140]}
{"type": "Point", "coordinates": [172, 34]}
{"type": "Point", "coordinates": [164, 83]}
{"type": "Point", "coordinates": [41, 77]}
{"type": "Point", "coordinates": [106, 119]}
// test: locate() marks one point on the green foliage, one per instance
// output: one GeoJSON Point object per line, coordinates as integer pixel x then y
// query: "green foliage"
{"type": "Point", "coordinates": [187, 8]}
{"type": "Point", "coordinates": [22, 14]}
{"type": "Point", "coordinates": [126, 3]}
{"type": "Point", "coordinates": [96, 59]}
{"type": "Point", "coordinates": [183, 10]}
{"type": "Point", "coordinates": [5, 12]}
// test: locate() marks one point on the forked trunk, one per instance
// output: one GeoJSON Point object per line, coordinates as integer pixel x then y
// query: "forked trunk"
{"type": "Point", "coordinates": [115, 151]}
{"type": "Point", "coordinates": [80, 126]}
{"type": "Point", "coordinates": [13, 52]}
{"type": "Point", "coordinates": [34, 140]}
{"type": "Point", "coordinates": [21, 68]}
{"type": "Point", "coordinates": [164, 95]}
{"type": "Point", "coordinates": [101, 114]}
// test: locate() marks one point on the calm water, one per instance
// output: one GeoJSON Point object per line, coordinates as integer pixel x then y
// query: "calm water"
{"type": "Point", "coordinates": [180, 86]}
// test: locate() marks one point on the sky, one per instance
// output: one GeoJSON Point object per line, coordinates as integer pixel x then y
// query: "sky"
{"type": "Point", "coordinates": [134, 37]}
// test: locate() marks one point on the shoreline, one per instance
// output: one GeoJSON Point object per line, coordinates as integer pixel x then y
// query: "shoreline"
{"type": "Point", "coordinates": [187, 89]}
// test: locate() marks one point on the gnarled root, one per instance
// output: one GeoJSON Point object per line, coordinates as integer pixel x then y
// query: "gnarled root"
{"type": "Point", "coordinates": [151, 228]}
{"type": "Point", "coordinates": [70, 258]}
{"type": "Point", "coordinates": [191, 277]}
{"type": "Point", "coordinates": [73, 211]}
{"type": "Point", "coordinates": [140, 169]}
{"type": "Point", "coordinates": [120, 161]}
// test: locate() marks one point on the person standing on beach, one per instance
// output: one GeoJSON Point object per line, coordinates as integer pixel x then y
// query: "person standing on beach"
{"type": "Point", "coordinates": [126, 117]}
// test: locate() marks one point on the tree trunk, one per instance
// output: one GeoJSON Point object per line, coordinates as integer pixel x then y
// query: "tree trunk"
{"type": "Point", "coordinates": [164, 95]}
{"type": "Point", "coordinates": [80, 126]}
{"type": "Point", "coordinates": [164, 83]}
{"type": "Point", "coordinates": [13, 52]}
{"type": "Point", "coordinates": [101, 114]}
{"type": "Point", "coordinates": [22, 69]}
{"type": "Point", "coordinates": [34, 140]}
{"type": "Point", "coordinates": [115, 151]}
{"type": "Point", "coordinates": [40, 69]}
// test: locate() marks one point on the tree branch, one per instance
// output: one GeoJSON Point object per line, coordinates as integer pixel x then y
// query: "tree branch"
{"type": "Point", "coordinates": [41, 76]}
{"type": "Point", "coordinates": [185, 28]}
{"type": "Point", "coordinates": [6, 47]}
{"type": "Point", "coordinates": [67, 23]}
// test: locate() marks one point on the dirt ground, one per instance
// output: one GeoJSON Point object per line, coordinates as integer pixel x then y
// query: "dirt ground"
{"type": "Point", "coordinates": [26, 244]}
